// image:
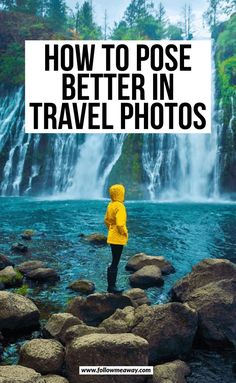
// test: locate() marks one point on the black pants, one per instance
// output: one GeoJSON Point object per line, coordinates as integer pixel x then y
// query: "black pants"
{"type": "Point", "coordinates": [116, 251]}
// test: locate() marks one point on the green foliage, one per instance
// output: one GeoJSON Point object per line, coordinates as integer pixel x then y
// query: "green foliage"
{"type": "Point", "coordinates": [85, 25]}
{"type": "Point", "coordinates": [141, 21]}
{"type": "Point", "coordinates": [11, 281]}
{"type": "Point", "coordinates": [128, 169]}
{"type": "Point", "coordinates": [23, 290]}
{"type": "Point", "coordinates": [215, 10]}
{"type": "Point", "coordinates": [12, 65]}
{"type": "Point", "coordinates": [56, 13]}
{"type": "Point", "coordinates": [226, 41]}
{"type": "Point", "coordinates": [174, 32]}
{"type": "Point", "coordinates": [33, 7]}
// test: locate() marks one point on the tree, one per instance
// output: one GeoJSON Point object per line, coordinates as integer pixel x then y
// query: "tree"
{"type": "Point", "coordinates": [85, 25]}
{"type": "Point", "coordinates": [136, 10]}
{"type": "Point", "coordinates": [162, 20]}
{"type": "Point", "coordinates": [212, 13]}
{"type": "Point", "coordinates": [33, 7]}
{"type": "Point", "coordinates": [139, 22]}
{"type": "Point", "coordinates": [188, 22]}
{"type": "Point", "coordinates": [7, 5]}
{"type": "Point", "coordinates": [174, 32]}
{"type": "Point", "coordinates": [56, 13]}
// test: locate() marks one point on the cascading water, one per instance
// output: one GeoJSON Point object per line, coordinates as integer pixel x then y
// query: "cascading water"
{"type": "Point", "coordinates": [93, 167]}
{"type": "Point", "coordinates": [183, 166]}
{"type": "Point", "coordinates": [67, 165]}
{"type": "Point", "coordinates": [78, 166]}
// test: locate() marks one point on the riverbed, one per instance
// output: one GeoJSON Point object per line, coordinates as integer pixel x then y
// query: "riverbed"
{"type": "Point", "coordinates": [184, 233]}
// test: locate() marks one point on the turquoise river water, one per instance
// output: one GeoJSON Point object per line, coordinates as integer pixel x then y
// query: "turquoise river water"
{"type": "Point", "coordinates": [185, 233]}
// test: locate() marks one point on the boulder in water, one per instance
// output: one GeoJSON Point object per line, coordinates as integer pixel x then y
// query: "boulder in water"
{"type": "Point", "coordinates": [82, 286]}
{"type": "Point", "coordinates": [141, 259]}
{"type": "Point", "coordinates": [27, 234]}
{"type": "Point", "coordinates": [10, 277]}
{"type": "Point", "coordinates": [96, 307]}
{"type": "Point", "coordinates": [96, 239]}
{"type": "Point", "coordinates": [43, 274]}
{"type": "Point", "coordinates": [173, 372]}
{"type": "Point", "coordinates": [43, 355]}
{"type": "Point", "coordinates": [106, 350]}
{"type": "Point", "coordinates": [147, 276]}
{"type": "Point", "coordinates": [19, 374]}
{"type": "Point", "coordinates": [207, 271]}
{"type": "Point", "coordinates": [137, 296]}
{"type": "Point", "coordinates": [4, 262]}
{"type": "Point", "coordinates": [81, 330]}
{"type": "Point", "coordinates": [17, 312]}
{"type": "Point", "coordinates": [28, 266]}
{"type": "Point", "coordinates": [58, 324]}
{"type": "Point", "coordinates": [19, 247]}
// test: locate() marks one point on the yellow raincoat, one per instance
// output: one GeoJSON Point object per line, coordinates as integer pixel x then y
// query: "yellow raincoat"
{"type": "Point", "coordinates": [115, 217]}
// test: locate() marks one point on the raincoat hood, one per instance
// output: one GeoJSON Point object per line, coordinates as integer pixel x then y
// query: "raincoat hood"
{"type": "Point", "coordinates": [117, 193]}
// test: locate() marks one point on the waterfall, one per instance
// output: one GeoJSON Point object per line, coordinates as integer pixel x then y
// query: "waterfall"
{"type": "Point", "coordinates": [70, 165]}
{"type": "Point", "coordinates": [183, 166]}
{"type": "Point", "coordinates": [174, 167]}
{"type": "Point", "coordinates": [93, 166]}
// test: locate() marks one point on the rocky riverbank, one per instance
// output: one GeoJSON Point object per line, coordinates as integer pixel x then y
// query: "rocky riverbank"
{"type": "Point", "coordinates": [124, 329]}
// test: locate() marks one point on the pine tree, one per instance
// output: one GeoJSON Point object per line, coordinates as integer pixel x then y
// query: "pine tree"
{"type": "Point", "coordinates": [56, 13]}
{"type": "Point", "coordinates": [188, 22]}
{"type": "Point", "coordinates": [136, 10]}
{"type": "Point", "coordinates": [85, 24]}
{"type": "Point", "coordinates": [162, 20]}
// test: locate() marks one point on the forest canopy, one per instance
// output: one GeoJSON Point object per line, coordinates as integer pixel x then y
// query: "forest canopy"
{"type": "Point", "coordinates": [22, 20]}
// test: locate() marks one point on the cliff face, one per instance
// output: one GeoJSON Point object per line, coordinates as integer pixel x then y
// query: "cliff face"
{"type": "Point", "coordinates": [225, 59]}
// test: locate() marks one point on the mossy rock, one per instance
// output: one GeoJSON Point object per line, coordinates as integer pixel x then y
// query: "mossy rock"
{"type": "Point", "coordinates": [10, 277]}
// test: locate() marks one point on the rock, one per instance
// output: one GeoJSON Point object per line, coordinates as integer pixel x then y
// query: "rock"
{"type": "Point", "coordinates": [17, 312]}
{"type": "Point", "coordinates": [43, 355]}
{"type": "Point", "coordinates": [137, 296]}
{"type": "Point", "coordinates": [95, 239]}
{"type": "Point", "coordinates": [27, 234]}
{"type": "Point", "coordinates": [173, 372]}
{"type": "Point", "coordinates": [58, 324]}
{"type": "Point", "coordinates": [83, 286]}
{"type": "Point", "coordinates": [81, 330]}
{"type": "Point", "coordinates": [106, 350]}
{"type": "Point", "coordinates": [96, 307]}
{"type": "Point", "coordinates": [19, 374]}
{"type": "Point", "coordinates": [122, 321]}
{"type": "Point", "coordinates": [55, 379]}
{"type": "Point", "coordinates": [28, 266]}
{"type": "Point", "coordinates": [215, 304]}
{"type": "Point", "coordinates": [147, 276]}
{"type": "Point", "coordinates": [4, 262]}
{"type": "Point", "coordinates": [19, 248]}
{"type": "Point", "coordinates": [207, 271]}
{"type": "Point", "coordinates": [43, 274]}
{"type": "Point", "coordinates": [10, 278]}
{"type": "Point", "coordinates": [169, 329]}
{"type": "Point", "coordinates": [141, 259]}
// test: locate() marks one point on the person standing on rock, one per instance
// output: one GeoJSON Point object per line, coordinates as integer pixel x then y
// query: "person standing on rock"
{"type": "Point", "coordinates": [115, 220]}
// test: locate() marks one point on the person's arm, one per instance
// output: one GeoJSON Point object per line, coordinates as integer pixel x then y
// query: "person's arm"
{"type": "Point", "coordinates": [106, 220]}
{"type": "Point", "coordinates": [121, 220]}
